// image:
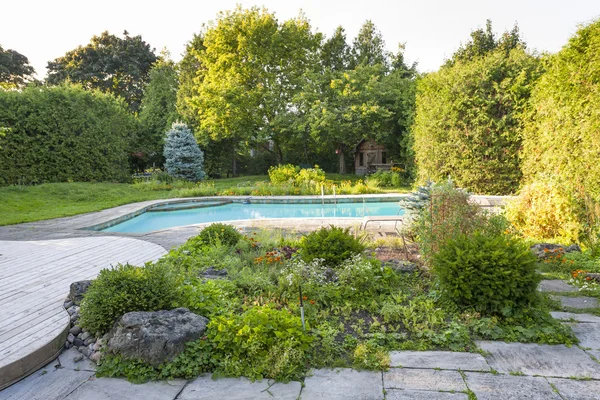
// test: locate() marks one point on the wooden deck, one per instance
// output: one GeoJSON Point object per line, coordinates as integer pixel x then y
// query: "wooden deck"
{"type": "Point", "coordinates": [34, 281]}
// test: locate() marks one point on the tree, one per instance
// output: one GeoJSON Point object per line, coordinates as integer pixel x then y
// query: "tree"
{"type": "Point", "coordinates": [252, 66]}
{"type": "Point", "coordinates": [15, 70]}
{"type": "Point", "coordinates": [335, 52]}
{"type": "Point", "coordinates": [368, 47]}
{"type": "Point", "coordinates": [468, 122]}
{"type": "Point", "coordinates": [183, 157]}
{"type": "Point", "coordinates": [108, 63]}
{"type": "Point", "coordinates": [561, 131]}
{"type": "Point", "coordinates": [484, 42]}
{"type": "Point", "coordinates": [158, 110]}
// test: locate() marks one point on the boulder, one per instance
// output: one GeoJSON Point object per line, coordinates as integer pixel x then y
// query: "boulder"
{"type": "Point", "coordinates": [213, 273]}
{"type": "Point", "coordinates": [401, 265]}
{"type": "Point", "coordinates": [77, 291]}
{"type": "Point", "coordinates": [545, 250]}
{"type": "Point", "coordinates": [155, 337]}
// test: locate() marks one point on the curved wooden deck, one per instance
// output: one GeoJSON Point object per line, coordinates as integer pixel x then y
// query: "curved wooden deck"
{"type": "Point", "coordinates": [34, 281]}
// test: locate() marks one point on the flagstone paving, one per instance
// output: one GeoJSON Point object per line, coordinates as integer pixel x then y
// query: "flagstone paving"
{"type": "Point", "coordinates": [581, 302]}
{"type": "Point", "coordinates": [556, 285]}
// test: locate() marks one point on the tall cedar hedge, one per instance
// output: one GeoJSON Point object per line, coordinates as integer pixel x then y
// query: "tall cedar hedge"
{"type": "Point", "coordinates": [562, 135]}
{"type": "Point", "coordinates": [468, 122]}
{"type": "Point", "coordinates": [63, 133]}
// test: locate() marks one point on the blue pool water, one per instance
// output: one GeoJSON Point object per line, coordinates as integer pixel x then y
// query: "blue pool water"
{"type": "Point", "coordinates": [152, 221]}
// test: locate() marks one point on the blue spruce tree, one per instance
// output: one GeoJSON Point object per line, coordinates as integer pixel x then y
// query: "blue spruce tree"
{"type": "Point", "coordinates": [183, 157]}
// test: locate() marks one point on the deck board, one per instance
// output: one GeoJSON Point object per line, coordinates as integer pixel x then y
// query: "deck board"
{"type": "Point", "coordinates": [34, 281]}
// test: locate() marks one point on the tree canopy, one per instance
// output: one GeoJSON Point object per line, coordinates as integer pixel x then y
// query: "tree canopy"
{"type": "Point", "coordinates": [109, 63]}
{"type": "Point", "coordinates": [15, 70]}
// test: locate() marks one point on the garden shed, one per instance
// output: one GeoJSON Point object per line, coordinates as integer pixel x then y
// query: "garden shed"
{"type": "Point", "coordinates": [369, 157]}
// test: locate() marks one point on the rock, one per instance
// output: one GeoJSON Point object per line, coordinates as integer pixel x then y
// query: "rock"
{"type": "Point", "coordinates": [401, 265]}
{"type": "Point", "coordinates": [78, 358]}
{"type": "Point", "coordinates": [70, 338]}
{"type": "Point", "coordinates": [212, 273]}
{"type": "Point", "coordinates": [85, 351]}
{"type": "Point", "coordinates": [89, 341]}
{"type": "Point", "coordinates": [68, 345]}
{"type": "Point", "coordinates": [77, 342]}
{"type": "Point", "coordinates": [593, 276]}
{"type": "Point", "coordinates": [76, 330]}
{"type": "Point", "coordinates": [545, 250]}
{"type": "Point", "coordinates": [71, 310]}
{"type": "Point", "coordinates": [155, 337]}
{"type": "Point", "coordinates": [95, 356]}
{"type": "Point", "coordinates": [97, 346]}
{"type": "Point", "coordinates": [77, 291]}
{"type": "Point", "coordinates": [85, 335]}
{"type": "Point", "coordinates": [68, 304]}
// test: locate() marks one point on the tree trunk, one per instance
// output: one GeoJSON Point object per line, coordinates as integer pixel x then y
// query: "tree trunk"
{"type": "Point", "coordinates": [342, 160]}
{"type": "Point", "coordinates": [233, 161]}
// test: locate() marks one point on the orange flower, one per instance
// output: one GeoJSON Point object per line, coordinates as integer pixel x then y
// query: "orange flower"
{"type": "Point", "coordinates": [312, 302]}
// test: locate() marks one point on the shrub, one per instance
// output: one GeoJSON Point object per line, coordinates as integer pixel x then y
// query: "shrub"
{"type": "Point", "coordinates": [223, 234]}
{"type": "Point", "coordinates": [446, 214]}
{"type": "Point", "coordinates": [391, 179]}
{"type": "Point", "coordinates": [332, 244]}
{"type": "Point", "coordinates": [127, 288]}
{"type": "Point", "coordinates": [490, 273]}
{"type": "Point", "coordinates": [283, 173]}
{"type": "Point", "coordinates": [260, 343]}
{"type": "Point", "coordinates": [183, 157]}
{"type": "Point", "coordinates": [545, 210]}
{"type": "Point", "coordinates": [63, 133]}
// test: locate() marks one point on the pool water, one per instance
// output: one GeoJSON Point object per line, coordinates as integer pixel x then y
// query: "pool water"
{"type": "Point", "coordinates": [152, 221]}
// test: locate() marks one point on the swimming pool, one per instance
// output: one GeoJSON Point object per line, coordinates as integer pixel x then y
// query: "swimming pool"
{"type": "Point", "coordinates": [152, 221]}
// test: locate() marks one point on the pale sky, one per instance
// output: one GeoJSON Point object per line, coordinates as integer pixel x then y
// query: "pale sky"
{"type": "Point", "coordinates": [43, 30]}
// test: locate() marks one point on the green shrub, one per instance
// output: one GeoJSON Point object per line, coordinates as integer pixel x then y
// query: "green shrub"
{"type": "Point", "coordinates": [332, 244]}
{"type": "Point", "coordinates": [213, 297]}
{"type": "Point", "coordinates": [491, 274]}
{"type": "Point", "coordinates": [226, 235]}
{"type": "Point", "coordinates": [64, 133]}
{"type": "Point", "coordinates": [283, 173]}
{"type": "Point", "coordinates": [260, 343]}
{"type": "Point", "coordinates": [447, 213]}
{"type": "Point", "coordinates": [127, 288]}
{"type": "Point", "coordinates": [392, 179]}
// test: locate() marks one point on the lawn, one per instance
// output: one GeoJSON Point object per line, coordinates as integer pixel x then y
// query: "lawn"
{"type": "Point", "coordinates": [53, 200]}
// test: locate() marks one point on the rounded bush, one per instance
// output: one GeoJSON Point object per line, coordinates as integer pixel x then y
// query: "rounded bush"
{"type": "Point", "coordinates": [124, 289]}
{"type": "Point", "coordinates": [219, 233]}
{"type": "Point", "coordinates": [491, 274]}
{"type": "Point", "coordinates": [332, 244]}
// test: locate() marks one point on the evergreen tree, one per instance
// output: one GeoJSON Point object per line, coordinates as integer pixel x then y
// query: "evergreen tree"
{"type": "Point", "coordinates": [183, 157]}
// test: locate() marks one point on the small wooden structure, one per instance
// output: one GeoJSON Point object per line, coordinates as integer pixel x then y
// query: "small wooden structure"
{"type": "Point", "coordinates": [370, 157]}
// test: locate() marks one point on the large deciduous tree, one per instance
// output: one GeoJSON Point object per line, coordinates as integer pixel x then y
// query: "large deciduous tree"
{"type": "Point", "coordinates": [158, 111]}
{"type": "Point", "coordinates": [15, 70]}
{"type": "Point", "coordinates": [368, 47]}
{"type": "Point", "coordinates": [109, 63]}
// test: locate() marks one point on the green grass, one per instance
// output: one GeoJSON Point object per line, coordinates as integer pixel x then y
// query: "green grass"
{"type": "Point", "coordinates": [53, 200]}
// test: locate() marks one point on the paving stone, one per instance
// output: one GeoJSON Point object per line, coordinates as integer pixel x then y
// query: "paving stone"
{"type": "Point", "coordinates": [581, 303]}
{"type": "Point", "coordinates": [545, 360]}
{"type": "Point", "coordinates": [439, 359]}
{"type": "Point", "coordinates": [48, 383]}
{"type": "Point", "coordinates": [508, 387]}
{"type": "Point", "coordinates": [395, 394]}
{"type": "Point", "coordinates": [572, 389]}
{"type": "Point", "coordinates": [567, 316]}
{"type": "Point", "coordinates": [67, 360]}
{"type": "Point", "coordinates": [342, 384]}
{"type": "Point", "coordinates": [423, 379]}
{"type": "Point", "coordinates": [588, 335]}
{"type": "Point", "coordinates": [120, 389]}
{"type": "Point", "coordinates": [205, 388]}
{"type": "Point", "coordinates": [594, 353]}
{"type": "Point", "coordinates": [556, 285]}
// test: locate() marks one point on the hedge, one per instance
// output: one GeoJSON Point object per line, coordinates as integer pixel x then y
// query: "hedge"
{"type": "Point", "coordinates": [63, 133]}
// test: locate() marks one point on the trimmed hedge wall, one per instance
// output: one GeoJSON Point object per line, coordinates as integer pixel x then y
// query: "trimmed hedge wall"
{"type": "Point", "coordinates": [468, 121]}
{"type": "Point", "coordinates": [562, 135]}
{"type": "Point", "coordinates": [63, 133]}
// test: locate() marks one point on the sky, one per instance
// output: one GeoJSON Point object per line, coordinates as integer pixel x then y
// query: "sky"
{"type": "Point", "coordinates": [431, 29]}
